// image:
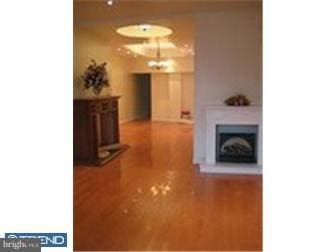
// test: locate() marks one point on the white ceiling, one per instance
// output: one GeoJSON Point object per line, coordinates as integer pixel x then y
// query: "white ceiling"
{"type": "Point", "coordinates": [96, 17]}
{"type": "Point", "coordinates": [124, 10]}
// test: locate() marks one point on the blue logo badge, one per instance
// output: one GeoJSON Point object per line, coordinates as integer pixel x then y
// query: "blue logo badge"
{"type": "Point", "coordinates": [47, 239]}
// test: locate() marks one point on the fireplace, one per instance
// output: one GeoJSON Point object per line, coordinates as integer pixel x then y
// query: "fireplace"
{"type": "Point", "coordinates": [224, 123]}
{"type": "Point", "coordinates": [236, 143]}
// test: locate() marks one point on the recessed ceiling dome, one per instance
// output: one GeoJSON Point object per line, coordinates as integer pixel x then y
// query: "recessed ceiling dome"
{"type": "Point", "coordinates": [144, 31]}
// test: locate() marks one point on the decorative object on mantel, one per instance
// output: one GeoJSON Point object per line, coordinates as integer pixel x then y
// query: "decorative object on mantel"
{"type": "Point", "coordinates": [96, 77]}
{"type": "Point", "coordinates": [237, 100]}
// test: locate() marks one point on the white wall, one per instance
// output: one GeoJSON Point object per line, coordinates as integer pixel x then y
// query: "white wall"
{"type": "Point", "coordinates": [174, 86]}
{"type": "Point", "coordinates": [170, 94]}
{"type": "Point", "coordinates": [87, 47]}
{"type": "Point", "coordinates": [122, 82]}
{"type": "Point", "coordinates": [228, 60]}
{"type": "Point", "coordinates": [187, 92]}
{"type": "Point", "coordinates": [160, 96]}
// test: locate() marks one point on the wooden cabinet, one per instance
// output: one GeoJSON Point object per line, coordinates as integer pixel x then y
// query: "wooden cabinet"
{"type": "Point", "coordinates": [96, 130]}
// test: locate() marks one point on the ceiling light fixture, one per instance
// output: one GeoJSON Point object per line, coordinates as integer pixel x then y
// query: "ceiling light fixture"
{"type": "Point", "coordinates": [144, 31]}
{"type": "Point", "coordinates": [158, 64]}
{"type": "Point", "coordinates": [110, 2]}
{"type": "Point", "coordinates": [144, 27]}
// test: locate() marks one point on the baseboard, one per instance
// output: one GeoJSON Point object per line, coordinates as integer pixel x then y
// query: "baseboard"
{"type": "Point", "coordinates": [187, 121]}
{"type": "Point", "coordinates": [232, 168]}
{"type": "Point", "coordinates": [126, 120]}
{"type": "Point", "coordinates": [132, 119]}
{"type": "Point", "coordinates": [172, 120]}
{"type": "Point", "coordinates": [159, 119]}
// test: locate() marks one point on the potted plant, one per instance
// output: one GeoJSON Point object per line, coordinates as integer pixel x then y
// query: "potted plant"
{"type": "Point", "coordinates": [95, 77]}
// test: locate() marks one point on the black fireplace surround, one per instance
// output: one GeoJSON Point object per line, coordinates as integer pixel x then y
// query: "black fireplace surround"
{"type": "Point", "coordinates": [236, 143]}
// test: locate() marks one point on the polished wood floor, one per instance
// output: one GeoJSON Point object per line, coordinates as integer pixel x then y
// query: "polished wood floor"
{"type": "Point", "coordinates": [153, 198]}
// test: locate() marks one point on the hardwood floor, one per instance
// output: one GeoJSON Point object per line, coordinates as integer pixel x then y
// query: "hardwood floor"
{"type": "Point", "coordinates": [153, 198]}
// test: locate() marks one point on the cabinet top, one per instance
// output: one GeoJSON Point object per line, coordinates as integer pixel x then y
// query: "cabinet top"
{"type": "Point", "coordinates": [98, 98]}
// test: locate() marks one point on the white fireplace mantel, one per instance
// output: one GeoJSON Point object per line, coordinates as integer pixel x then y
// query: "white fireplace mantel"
{"type": "Point", "coordinates": [225, 115]}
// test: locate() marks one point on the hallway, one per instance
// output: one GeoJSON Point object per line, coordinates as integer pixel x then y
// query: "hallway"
{"type": "Point", "coordinates": [153, 198]}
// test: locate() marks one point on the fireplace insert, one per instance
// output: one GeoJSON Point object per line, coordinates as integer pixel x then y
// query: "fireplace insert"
{"type": "Point", "coordinates": [236, 144]}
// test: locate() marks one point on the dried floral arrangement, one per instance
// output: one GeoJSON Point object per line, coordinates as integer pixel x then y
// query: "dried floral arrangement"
{"type": "Point", "coordinates": [237, 100]}
{"type": "Point", "coordinates": [96, 77]}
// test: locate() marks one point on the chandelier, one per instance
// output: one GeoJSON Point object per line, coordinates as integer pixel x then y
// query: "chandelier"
{"type": "Point", "coordinates": [158, 63]}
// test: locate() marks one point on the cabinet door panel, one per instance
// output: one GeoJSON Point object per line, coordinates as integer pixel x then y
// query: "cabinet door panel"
{"type": "Point", "coordinates": [108, 128]}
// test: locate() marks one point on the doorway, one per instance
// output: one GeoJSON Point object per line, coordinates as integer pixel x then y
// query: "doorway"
{"type": "Point", "coordinates": [143, 95]}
